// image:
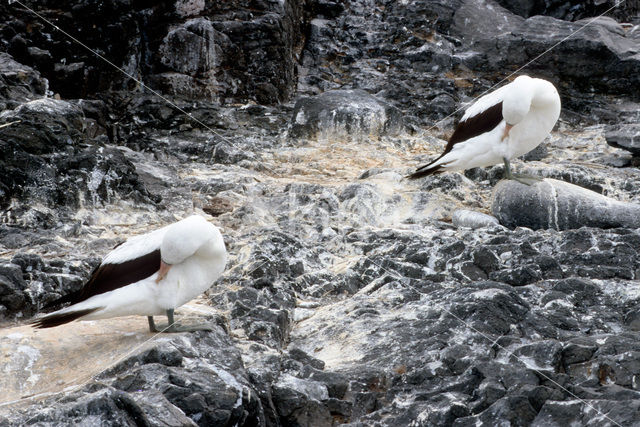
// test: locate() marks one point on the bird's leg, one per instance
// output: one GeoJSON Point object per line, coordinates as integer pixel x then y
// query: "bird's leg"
{"type": "Point", "coordinates": [152, 325]}
{"type": "Point", "coordinates": [522, 179]}
{"type": "Point", "coordinates": [507, 168]}
{"type": "Point", "coordinates": [176, 327]}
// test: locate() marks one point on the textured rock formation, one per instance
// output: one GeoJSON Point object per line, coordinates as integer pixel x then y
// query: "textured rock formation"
{"type": "Point", "coordinates": [625, 136]}
{"type": "Point", "coordinates": [572, 10]}
{"type": "Point", "coordinates": [472, 219]}
{"type": "Point", "coordinates": [520, 40]}
{"type": "Point", "coordinates": [340, 115]}
{"type": "Point", "coordinates": [559, 205]}
{"type": "Point", "coordinates": [193, 49]}
{"type": "Point", "coordinates": [352, 296]}
{"type": "Point", "coordinates": [55, 157]}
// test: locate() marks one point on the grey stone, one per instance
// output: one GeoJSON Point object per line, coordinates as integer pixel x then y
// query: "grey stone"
{"type": "Point", "coordinates": [472, 219]}
{"type": "Point", "coordinates": [516, 410]}
{"type": "Point", "coordinates": [569, 10]}
{"type": "Point", "coordinates": [519, 39]}
{"type": "Point", "coordinates": [625, 136]}
{"type": "Point", "coordinates": [344, 114]}
{"type": "Point", "coordinates": [559, 205]}
{"type": "Point", "coordinates": [368, 278]}
{"type": "Point", "coordinates": [560, 413]}
{"type": "Point", "coordinates": [18, 82]}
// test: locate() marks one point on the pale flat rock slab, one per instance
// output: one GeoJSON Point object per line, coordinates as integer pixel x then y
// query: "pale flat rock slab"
{"type": "Point", "coordinates": [36, 363]}
{"type": "Point", "coordinates": [559, 205]}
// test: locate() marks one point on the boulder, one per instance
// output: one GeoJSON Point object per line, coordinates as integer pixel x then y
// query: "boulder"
{"type": "Point", "coordinates": [559, 205]}
{"type": "Point", "coordinates": [18, 83]}
{"type": "Point", "coordinates": [571, 10]}
{"type": "Point", "coordinates": [344, 114]}
{"type": "Point", "coordinates": [600, 55]}
{"type": "Point", "coordinates": [48, 156]}
{"type": "Point", "coordinates": [472, 219]}
{"type": "Point", "coordinates": [625, 136]}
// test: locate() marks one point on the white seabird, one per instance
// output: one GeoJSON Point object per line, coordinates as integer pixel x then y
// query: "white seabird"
{"type": "Point", "coordinates": [502, 125]}
{"type": "Point", "coordinates": [148, 275]}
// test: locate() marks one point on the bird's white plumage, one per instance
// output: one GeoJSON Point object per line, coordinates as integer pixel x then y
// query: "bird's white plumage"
{"type": "Point", "coordinates": [204, 257]}
{"type": "Point", "coordinates": [530, 105]}
{"type": "Point", "coordinates": [484, 102]}
{"type": "Point", "coordinates": [136, 246]}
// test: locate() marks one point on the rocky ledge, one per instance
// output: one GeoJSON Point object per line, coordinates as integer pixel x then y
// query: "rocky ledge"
{"type": "Point", "coordinates": [352, 296]}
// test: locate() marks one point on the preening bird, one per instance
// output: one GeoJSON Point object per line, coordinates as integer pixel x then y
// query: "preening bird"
{"type": "Point", "coordinates": [502, 125]}
{"type": "Point", "coordinates": [148, 275]}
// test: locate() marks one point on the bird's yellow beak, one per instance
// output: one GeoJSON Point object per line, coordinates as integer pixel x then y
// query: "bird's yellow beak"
{"type": "Point", "coordinates": [162, 272]}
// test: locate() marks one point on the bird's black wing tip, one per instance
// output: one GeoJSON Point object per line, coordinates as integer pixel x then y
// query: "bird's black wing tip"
{"type": "Point", "coordinates": [57, 319]}
{"type": "Point", "coordinates": [424, 171]}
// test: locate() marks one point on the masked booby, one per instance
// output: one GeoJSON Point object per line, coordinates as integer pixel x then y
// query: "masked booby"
{"type": "Point", "coordinates": [500, 126]}
{"type": "Point", "coordinates": [148, 275]}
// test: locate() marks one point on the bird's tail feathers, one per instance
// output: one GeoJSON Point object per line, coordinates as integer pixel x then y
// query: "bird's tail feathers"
{"type": "Point", "coordinates": [57, 319]}
{"type": "Point", "coordinates": [425, 170]}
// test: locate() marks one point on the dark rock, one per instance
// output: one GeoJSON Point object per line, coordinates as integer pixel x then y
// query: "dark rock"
{"type": "Point", "coordinates": [306, 359]}
{"type": "Point", "coordinates": [516, 410]}
{"type": "Point", "coordinates": [297, 402]}
{"type": "Point", "coordinates": [626, 136]}
{"type": "Point", "coordinates": [543, 355]}
{"type": "Point", "coordinates": [18, 83]}
{"type": "Point", "coordinates": [577, 353]}
{"type": "Point", "coordinates": [191, 54]}
{"type": "Point", "coordinates": [559, 205]}
{"type": "Point", "coordinates": [344, 114]}
{"type": "Point", "coordinates": [540, 394]}
{"type": "Point", "coordinates": [609, 413]}
{"type": "Point", "coordinates": [336, 383]}
{"type": "Point", "coordinates": [158, 411]}
{"type": "Point", "coordinates": [603, 42]}
{"type": "Point", "coordinates": [570, 10]}
{"type": "Point", "coordinates": [537, 154]}
{"type": "Point", "coordinates": [492, 310]}
{"type": "Point", "coordinates": [486, 259]}
{"type": "Point", "coordinates": [47, 159]}
{"type": "Point", "coordinates": [486, 394]}
{"type": "Point", "coordinates": [472, 219]}
{"type": "Point", "coordinates": [519, 276]}
{"type": "Point", "coordinates": [226, 153]}
{"type": "Point", "coordinates": [12, 288]}
{"type": "Point", "coordinates": [632, 319]}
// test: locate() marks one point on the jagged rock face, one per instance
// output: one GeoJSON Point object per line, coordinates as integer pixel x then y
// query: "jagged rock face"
{"type": "Point", "coordinates": [521, 40]}
{"type": "Point", "coordinates": [572, 10]}
{"type": "Point", "coordinates": [18, 83]}
{"type": "Point", "coordinates": [351, 295]}
{"type": "Point", "coordinates": [55, 158]}
{"type": "Point", "coordinates": [625, 136]}
{"type": "Point", "coordinates": [348, 114]}
{"type": "Point", "coordinates": [194, 49]}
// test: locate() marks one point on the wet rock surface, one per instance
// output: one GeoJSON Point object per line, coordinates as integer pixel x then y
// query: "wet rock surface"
{"type": "Point", "coordinates": [559, 205]}
{"type": "Point", "coordinates": [344, 114]}
{"type": "Point", "coordinates": [626, 136]}
{"type": "Point", "coordinates": [352, 296]}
